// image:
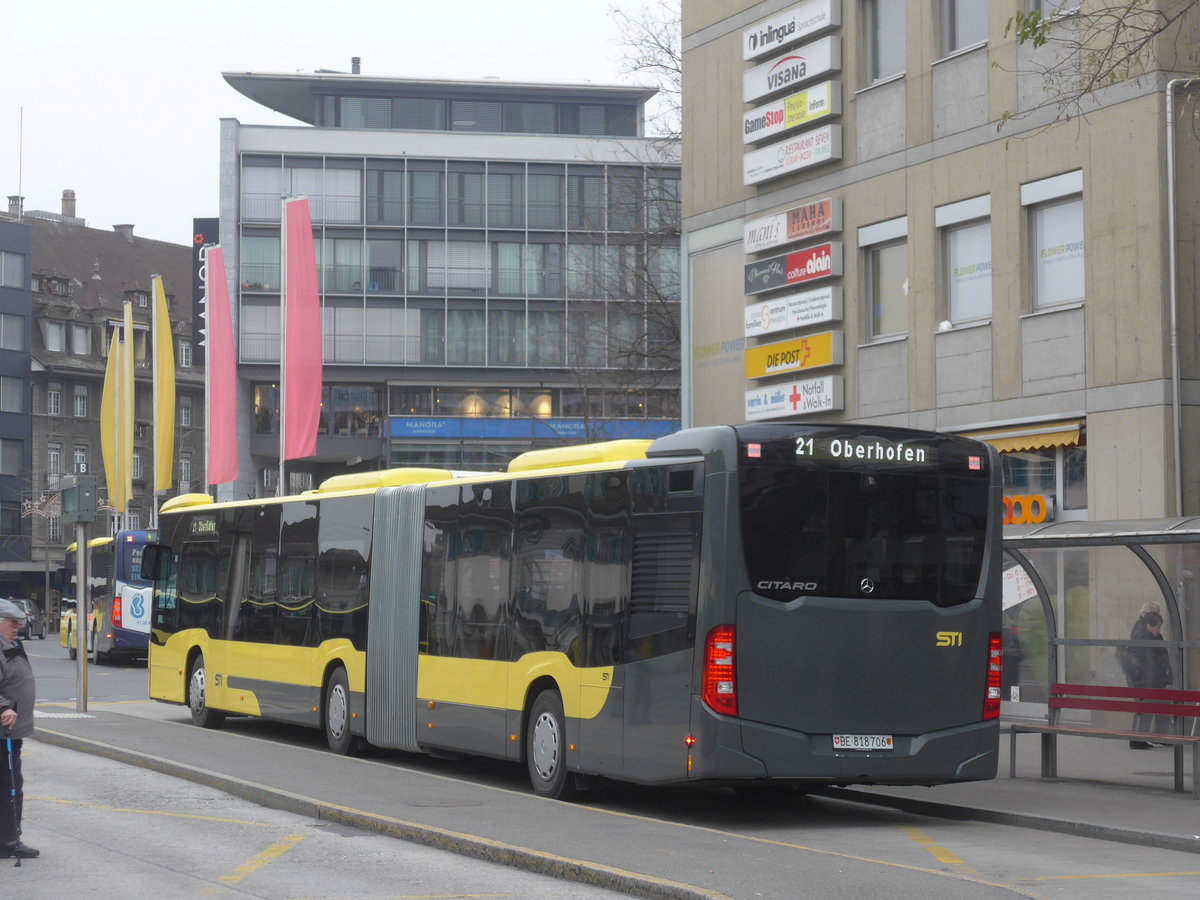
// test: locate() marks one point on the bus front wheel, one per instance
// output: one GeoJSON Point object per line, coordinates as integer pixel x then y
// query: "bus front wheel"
{"type": "Point", "coordinates": [202, 715]}
{"type": "Point", "coordinates": [337, 714]}
{"type": "Point", "coordinates": [546, 748]}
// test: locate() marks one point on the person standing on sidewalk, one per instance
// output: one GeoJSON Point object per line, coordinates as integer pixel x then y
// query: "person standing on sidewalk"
{"type": "Point", "coordinates": [1147, 667]}
{"type": "Point", "coordinates": [16, 723]}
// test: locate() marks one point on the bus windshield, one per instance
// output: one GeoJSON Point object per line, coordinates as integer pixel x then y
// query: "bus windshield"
{"type": "Point", "coordinates": [831, 518]}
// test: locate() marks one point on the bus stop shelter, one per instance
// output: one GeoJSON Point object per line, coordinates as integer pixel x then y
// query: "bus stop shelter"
{"type": "Point", "coordinates": [1073, 591]}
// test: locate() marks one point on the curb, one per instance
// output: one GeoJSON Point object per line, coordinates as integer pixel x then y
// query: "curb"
{"type": "Point", "coordinates": [1156, 839]}
{"type": "Point", "coordinates": [526, 859]}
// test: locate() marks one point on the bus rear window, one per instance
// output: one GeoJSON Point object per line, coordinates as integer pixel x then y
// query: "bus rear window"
{"type": "Point", "coordinates": [891, 534]}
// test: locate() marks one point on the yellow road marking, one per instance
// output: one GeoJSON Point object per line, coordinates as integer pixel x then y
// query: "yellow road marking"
{"type": "Point", "coordinates": [1114, 875]}
{"type": "Point", "coordinates": [941, 854]}
{"type": "Point", "coordinates": [269, 855]}
{"type": "Point", "coordinates": [143, 812]}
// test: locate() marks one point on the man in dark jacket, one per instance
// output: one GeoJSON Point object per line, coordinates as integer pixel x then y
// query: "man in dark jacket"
{"type": "Point", "coordinates": [16, 723]}
{"type": "Point", "coordinates": [1147, 666]}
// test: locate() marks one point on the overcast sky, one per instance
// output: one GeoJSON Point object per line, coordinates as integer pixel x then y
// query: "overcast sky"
{"type": "Point", "coordinates": [121, 101]}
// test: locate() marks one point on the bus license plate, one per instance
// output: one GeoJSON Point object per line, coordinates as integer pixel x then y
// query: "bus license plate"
{"type": "Point", "coordinates": [862, 742]}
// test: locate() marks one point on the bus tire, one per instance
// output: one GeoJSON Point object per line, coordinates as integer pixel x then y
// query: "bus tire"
{"type": "Point", "coordinates": [97, 657]}
{"type": "Point", "coordinates": [336, 714]}
{"type": "Point", "coordinates": [70, 645]}
{"type": "Point", "coordinates": [202, 714]}
{"type": "Point", "coordinates": [546, 748]}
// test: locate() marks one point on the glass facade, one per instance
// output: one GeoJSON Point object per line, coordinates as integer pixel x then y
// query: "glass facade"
{"type": "Point", "coordinates": [448, 263]}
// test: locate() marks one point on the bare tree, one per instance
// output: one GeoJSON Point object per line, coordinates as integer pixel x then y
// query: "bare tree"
{"type": "Point", "coordinates": [1091, 44]}
{"type": "Point", "coordinates": [652, 38]}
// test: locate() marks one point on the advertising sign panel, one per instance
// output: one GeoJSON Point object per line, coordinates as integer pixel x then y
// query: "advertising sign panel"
{"type": "Point", "coordinates": [814, 351]}
{"type": "Point", "coordinates": [812, 148]}
{"type": "Point", "coordinates": [804, 108]}
{"type": "Point", "coordinates": [794, 311]}
{"type": "Point", "coordinates": [801, 21]}
{"type": "Point", "coordinates": [796, 224]}
{"type": "Point", "coordinates": [796, 398]}
{"type": "Point", "coordinates": [791, 69]}
{"type": "Point", "coordinates": [797, 267]}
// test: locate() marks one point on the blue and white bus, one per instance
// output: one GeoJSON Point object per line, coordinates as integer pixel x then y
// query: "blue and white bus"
{"type": "Point", "coordinates": [119, 610]}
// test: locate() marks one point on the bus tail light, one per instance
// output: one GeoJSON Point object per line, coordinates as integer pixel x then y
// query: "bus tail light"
{"type": "Point", "coordinates": [991, 699]}
{"type": "Point", "coordinates": [116, 611]}
{"type": "Point", "coordinates": [719, 681]}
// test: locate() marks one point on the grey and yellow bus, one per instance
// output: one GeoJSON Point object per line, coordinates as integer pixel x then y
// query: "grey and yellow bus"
{"type": "Point", "coordinates": [748, 605]}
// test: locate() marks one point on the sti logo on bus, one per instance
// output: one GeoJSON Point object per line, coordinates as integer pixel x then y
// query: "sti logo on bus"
{"type": "Point", "coordinates": [949, 638]}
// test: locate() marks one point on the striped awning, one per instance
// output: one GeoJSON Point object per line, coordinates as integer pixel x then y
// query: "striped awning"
{"type": "Point", "coordinates": [1038, 436]}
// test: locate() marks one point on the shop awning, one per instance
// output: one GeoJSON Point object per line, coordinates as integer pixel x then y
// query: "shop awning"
{"type": "Point", "coordinates": [1038, 436]}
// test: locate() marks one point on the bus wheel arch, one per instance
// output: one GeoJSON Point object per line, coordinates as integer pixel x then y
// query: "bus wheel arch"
{"type": "Point", "coordinates": [545, 746]}
{"type": "Point", "coordinates": [197, 694]}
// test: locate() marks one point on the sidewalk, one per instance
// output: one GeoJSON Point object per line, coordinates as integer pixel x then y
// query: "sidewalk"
{"type": "Point", "coordinates": [1105, 790]}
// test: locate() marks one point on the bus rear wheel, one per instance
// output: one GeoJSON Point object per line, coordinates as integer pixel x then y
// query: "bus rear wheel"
{"type": "Point", "coordinates": [202, 715]}
{"type": "Point", "coordinates": [337, 714]}
{"type": "Point", "coordinates": [546, 749]}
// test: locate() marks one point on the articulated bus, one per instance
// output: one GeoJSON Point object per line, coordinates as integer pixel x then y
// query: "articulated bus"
{"type": "Point", "coordinates": [754, 606]}
{"type": "Point", "coordinates": [118, 622]}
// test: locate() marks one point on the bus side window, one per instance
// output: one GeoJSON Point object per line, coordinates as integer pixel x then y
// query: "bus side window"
{"type": "Point", "coordinates": [297, 575]}
{"type": "Point", "coordinates": [259, 602]}
{"type": "Point", "coordinates": [343, 572]}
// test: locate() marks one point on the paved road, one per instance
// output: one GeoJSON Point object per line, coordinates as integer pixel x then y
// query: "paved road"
{"type": "Point", "coordinates": [107, 829]}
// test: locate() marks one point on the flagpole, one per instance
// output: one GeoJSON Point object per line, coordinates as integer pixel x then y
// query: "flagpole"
{"type": "Point", "coordinates": [279, 492]}
{"type": "Point", "coordinates": [207, 363]}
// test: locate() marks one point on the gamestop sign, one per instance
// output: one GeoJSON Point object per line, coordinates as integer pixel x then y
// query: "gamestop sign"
{"type": "Point", "coordinates": [801, 21]}
{"type": "Point", "coordinates": [798, 267]}
{"type": "Point", "coordinates": [789, 69]}
{"type": "Point", "coordinates": [800, 152]}
{"type": "Point", "coordinates": [804, 108]}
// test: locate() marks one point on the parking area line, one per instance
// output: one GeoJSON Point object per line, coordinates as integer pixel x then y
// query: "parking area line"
{"type": "Point", "coordinates": [269, 855]}
{"type": "Point", "coordinates": [941, 854]}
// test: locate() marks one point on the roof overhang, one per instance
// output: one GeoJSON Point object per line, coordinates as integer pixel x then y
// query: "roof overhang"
{"type": "Point", "coordinates": [291, 94]}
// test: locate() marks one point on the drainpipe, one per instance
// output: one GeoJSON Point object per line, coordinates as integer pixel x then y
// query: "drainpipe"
{"type": "Point", "coordinates": [1172, 277]}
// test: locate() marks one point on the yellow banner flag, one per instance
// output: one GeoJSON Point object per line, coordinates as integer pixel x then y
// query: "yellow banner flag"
{"type": "Point", "coordinates": [114, 476]}
{"type": "Point", "coordinates": [164, 391]}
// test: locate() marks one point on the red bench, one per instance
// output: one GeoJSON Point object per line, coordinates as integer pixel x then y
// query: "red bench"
{"type": "Point", "coordinates": [1184, 705]}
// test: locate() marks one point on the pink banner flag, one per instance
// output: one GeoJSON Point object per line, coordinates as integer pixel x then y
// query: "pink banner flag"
{"type": "Point", "coordinates": [302, 340]}
{"type": "Point", "coordinates": [222, 374]}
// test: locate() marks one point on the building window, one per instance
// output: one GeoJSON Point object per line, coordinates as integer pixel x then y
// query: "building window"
{"type": "Point", "coordinates": [56, 336]}
{"type": "Point", "coordinates": [185, 472]}
{"type": "Point", "coordinates": [54, 529]}
{"type": "Point", "coordinates": [54, 399]}
{"type": "Point", "coordinates": [12, 270]}
{"type": "Point", "coordinates": [260, 263]}
{"type": "Point", "coordinates": [885, 259]}
{"type": "Point", "coordinates": [885, 38]}
{"type": "Point", "coordinates": [133, 521]}
{"type": "Point", "coordinates": [10, 456]}
{"type": "Point", "coordinates": [136, 472]}
{"type": "Point", "coordinates": [964, 24]}
{"type": "Point", "coordinates": [185, 354]}
{"type": "Point", "coordinates": [10, 518]}
{"type": "Point", "coordinates": [185, 411]}
{"type": "Point", "coordinates": [967, 258]}
{"type": "Point", "coordinates": [79, 459]}
{"type": "Point", "coordinates": [1055, 210]}
{"type": "Point", "coordinates": [12, 394]}
{"type": "Point", "coordinates": [81, 340]}
{"type": "Point", "coordinates": [54, 459]}
{"type": "Point", "coordinates": [12, 332]}
{"type": "Point", "coordinates": [143, 299]}
{"type": "Point", "coordinates": [81, 401]}
{"type": "Point", "coordinates": [1050, 8]}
